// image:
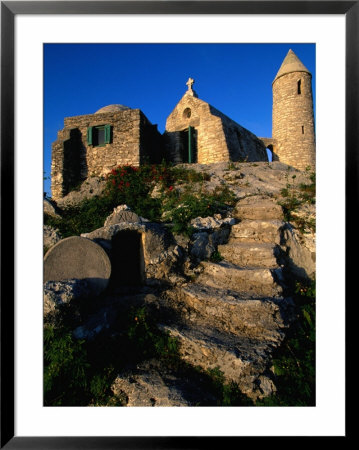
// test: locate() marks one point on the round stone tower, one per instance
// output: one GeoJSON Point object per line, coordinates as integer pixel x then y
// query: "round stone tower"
{"type": "Point", "coordinates": [293, 117]}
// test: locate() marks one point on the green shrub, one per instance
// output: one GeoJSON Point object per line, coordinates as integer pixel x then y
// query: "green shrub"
{"type": "Point", "coordinates": [216, 257]}
{"type": "Point", "coordinates": [81, 373]}
{"type": "Point", "coordinates": [185, 175]}
{"type": "Point", "coordinates": [227, 394]}
{"type": "Point", "coordinates": [294, 198]}
{"type": "Point", "coordinates": [65, 365]}
{"type": "Point", "coordinates": [89, 215]}
{"type": "Point", "coordinates": [294, 361]}
{"type": "Point", "coordinates": [181, 207]}
{"type": "Point", "coordinates": [133, 186]}
{"type": "Point", "coordinates": [145, 339]}
{"type": "Point", "coordinates": [125, 185]}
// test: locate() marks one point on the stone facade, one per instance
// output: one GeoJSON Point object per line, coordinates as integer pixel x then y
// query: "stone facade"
{"type": "Point", "coordinates": [132, 139]}
{"type": "Point", "coordinates": [293, 117]}
{"type": "Point", "coordinates": [214, 136]}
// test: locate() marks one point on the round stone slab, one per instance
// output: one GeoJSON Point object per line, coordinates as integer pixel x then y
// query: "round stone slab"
{"type": "Point", "coordinates": [80, 258]}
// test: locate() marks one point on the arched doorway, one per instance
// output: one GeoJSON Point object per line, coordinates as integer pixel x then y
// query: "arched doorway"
{"type": "Point", "coordinates": [270, 152]}
{"type": "Point", "coordinates": [189, 145]}
{"type": "Point", "coordinates": [127, 259]}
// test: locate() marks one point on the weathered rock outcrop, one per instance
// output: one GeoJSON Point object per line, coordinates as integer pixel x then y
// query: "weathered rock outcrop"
{"type": "Point", "coordinates": [60, 293]}
{"type": "Point", "coordinates": [299, 254]}
{"type": "Point", "coordinates": [51, 209]}
{"type": "Point", "coordinates": [51, 236]}
{"type": "Point", "coordinates": [157, 248]}
{"type": "Point", "coordinates": [229, 312]}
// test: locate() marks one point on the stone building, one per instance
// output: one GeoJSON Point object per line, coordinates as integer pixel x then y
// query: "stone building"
{"type": "Point", "coordinates": [293, 134]}
{"type": "Point", "coordinates": [93, 144]}
{"type": "Point", "coordinates": [196, 132]}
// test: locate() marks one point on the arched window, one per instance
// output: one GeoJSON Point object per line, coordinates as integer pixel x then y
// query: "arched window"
{"type": "Point", "coordinates": [299, 87]}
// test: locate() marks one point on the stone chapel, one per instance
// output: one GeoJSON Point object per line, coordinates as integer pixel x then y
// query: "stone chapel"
{"type": "Point", "coordinates": [196, 132]}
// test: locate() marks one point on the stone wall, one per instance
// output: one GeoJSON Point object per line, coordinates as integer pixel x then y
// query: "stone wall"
{"type": "Point", "coordinates": [293, 120]}
{"type": "Point", "coordinates": [133, 140]}
{"type": "Point", "coordinates": [218, 137]}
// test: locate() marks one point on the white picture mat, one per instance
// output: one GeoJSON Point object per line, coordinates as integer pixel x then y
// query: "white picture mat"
{"type": "Point", "coordinates": [327, 418]}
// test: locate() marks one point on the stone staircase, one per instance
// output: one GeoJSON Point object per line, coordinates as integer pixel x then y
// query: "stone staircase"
{"type": "Point", "coordinates": [234, 314]}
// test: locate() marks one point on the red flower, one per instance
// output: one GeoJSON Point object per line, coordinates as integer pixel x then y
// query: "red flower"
{"type": "Point", "coordinates": [170, 188]}
{"type": "Point", "coordinates": [127, 184]}
{"type": "Point", "coordinates": [113, 181]}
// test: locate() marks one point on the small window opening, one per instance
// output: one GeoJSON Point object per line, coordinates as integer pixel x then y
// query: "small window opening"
{"type": "Point", "coordinates": [299, 87]}
{"type": "Point", "coordinates": [99, 135]}
{"type": "Point", "coordinates": [187, 113]}
{"type": "Point", "coordinates": [302, 129]}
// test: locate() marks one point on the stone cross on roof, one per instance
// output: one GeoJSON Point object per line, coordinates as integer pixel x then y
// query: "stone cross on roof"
{"type": "Point", "coordinates": [190, 83]}
{"type": "Point", "coordinates": [190, 91]}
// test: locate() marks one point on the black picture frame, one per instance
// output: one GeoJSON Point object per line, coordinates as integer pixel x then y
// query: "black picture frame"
{"type": "Point", "coordinates": [9, 9]}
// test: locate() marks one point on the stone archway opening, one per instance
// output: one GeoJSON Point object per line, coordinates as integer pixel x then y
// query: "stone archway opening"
{"type": "Point", "coordinates": [270, 153]}
{"type": "Point", "coordinates": [127, 259]}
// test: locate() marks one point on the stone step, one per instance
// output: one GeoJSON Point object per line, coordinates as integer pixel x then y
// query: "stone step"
{"type": "Point", "coordinates": [240, 359]}
{"type": "Point", "coordinates": [153, 383]}
{"type": "Point", "coordinates": [258, 207]}
{"type": "Point", "coordinates": [250, 254]}
{"type": "Point", "coordinates": [230, 312]}
{"type": "Point", "coordinates": [257, 231]}
{"type": "Point", "coordinates": [254, 281]}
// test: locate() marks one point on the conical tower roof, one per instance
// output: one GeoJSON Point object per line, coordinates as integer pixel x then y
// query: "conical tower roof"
{"type": "Point", "coordinates": [291, 64]}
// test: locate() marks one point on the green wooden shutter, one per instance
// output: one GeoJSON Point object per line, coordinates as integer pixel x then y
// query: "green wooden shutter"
{"type": "Point", "coordinates": [89, 135]}
{"type": "Point", "coordinates": [190, 145]}
{"type": "Point", "coordinates": [107, 134]}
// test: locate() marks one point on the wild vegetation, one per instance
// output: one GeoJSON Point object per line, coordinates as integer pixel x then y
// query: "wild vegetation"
{"type": "Point", "coordinates": [294, 361]}
{"type": "Point", "coordinates": [79, 372]}
{"type": "Point", "coordinates": [294, 198]}
{"type": "Point", "coordinates": [179, 198]}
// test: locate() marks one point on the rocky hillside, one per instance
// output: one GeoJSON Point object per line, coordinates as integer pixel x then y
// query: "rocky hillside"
{"type": "Point", "coordinates": [218, 289]}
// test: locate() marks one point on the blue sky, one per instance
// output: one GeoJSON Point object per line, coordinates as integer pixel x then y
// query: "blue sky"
{"type": "Point", "coordinates": [234, 78]}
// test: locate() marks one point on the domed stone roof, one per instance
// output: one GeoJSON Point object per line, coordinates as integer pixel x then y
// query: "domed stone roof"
{"type": "Point", "coordinates": [291, 64]}
{"type": "Point", "coordinates": [112, 108]}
